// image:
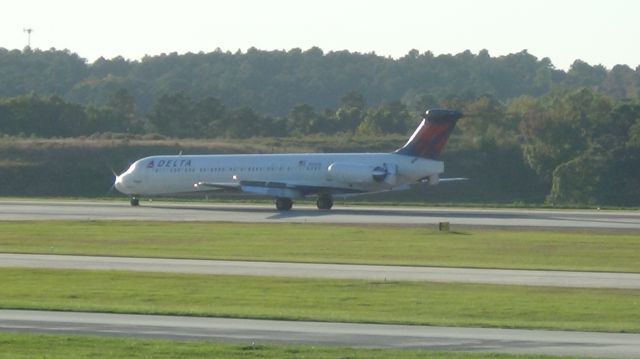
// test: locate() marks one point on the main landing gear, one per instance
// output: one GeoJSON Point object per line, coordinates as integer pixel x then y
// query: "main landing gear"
{"type": "Point", "coordinates": [134, 201]}
{"type": "Point", "coordinates": [283, 204]}
{"type": "Point", "coordinates": [325, 202]}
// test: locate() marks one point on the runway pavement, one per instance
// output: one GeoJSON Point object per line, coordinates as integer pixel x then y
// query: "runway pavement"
{"type": "Point", "coordinates": [335, 271]}
{"type": "Point", "coordinates": [247, 331]}
{"type": "Point", "coordinates": [420, 216]}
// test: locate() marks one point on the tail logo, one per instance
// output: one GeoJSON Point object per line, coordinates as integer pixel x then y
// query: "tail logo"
{"type": "Point", "coordinates": [430, 138]}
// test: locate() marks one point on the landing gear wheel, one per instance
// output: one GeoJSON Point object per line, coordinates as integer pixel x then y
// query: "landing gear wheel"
{"type": "Point", "coordinates": [283, 204]}
{"type": "Point", "coordinates": [324, 202]}
{"type": "Point", "coordinates": [134, 201]}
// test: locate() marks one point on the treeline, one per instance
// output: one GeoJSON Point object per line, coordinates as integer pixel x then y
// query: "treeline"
{"type": "Point", "coordinates": [178, 115]}
{"type": "Point", "coordinates": [571, 147]}
{"type": "Point", "coordinates": [273, 82]}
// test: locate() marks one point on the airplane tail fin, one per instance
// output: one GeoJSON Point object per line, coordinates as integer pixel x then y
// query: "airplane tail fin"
{"type": "Point", "coordinates": [432, 134]}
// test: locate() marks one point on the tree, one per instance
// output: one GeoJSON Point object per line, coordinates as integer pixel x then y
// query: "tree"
{"type": "Point", "coordinates": [302, 120]}
{"type": "Point", "coordinates": [208, 117]}
{"type": "Point", "coordinates": [485, 120]}
{"type": "Point", "coordinates": [351, 111]}
{"type": "Point", "coordinates": [241, 123]}
{"type": "Point", "coordinates": [123, 107]}
{"type": "Point", "coordinates": [172, 114]}
{"type": "Point", "coordinates": [621, 82]}
{"type": "Point", "coordinates": [559, 129]}
{"type": "Point", "coordinates": [385, 118]}
{"type": "Point", "coordinates": [634, 135]}
{"type": "Point", "coordinates": [579, 180]}
{"type": "Point", "coordinates": [581, 74]}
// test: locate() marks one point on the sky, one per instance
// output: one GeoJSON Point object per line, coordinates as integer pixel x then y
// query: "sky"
{"type": "Point", "coordinates": [598, 32]}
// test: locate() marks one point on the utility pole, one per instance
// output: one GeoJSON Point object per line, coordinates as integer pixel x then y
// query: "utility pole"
{"type": "Point", "coordinates": [28, 31]}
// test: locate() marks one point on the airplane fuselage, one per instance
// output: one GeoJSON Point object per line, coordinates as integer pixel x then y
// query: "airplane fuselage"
{"type": "Point", "coordinates": [335, 173]}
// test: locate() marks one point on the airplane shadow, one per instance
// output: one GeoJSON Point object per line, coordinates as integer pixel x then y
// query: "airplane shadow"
{"type": "Point", "coordinates": [298, 213]}
{"type": "Point", "coordinates": [308, 212]}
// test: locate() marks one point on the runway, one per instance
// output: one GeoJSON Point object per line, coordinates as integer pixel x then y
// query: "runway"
{"type": "Point", "coordinates": [332, 271]}
{"type": "Point", "coordinates": [415, 216]}
{"type": "Point", "coordinates": [249, 331]}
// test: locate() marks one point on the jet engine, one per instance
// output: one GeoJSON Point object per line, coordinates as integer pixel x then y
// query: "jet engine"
{"type": "Point", "coordinates": [359, 173]}
{"type": "Point", "coordinates": [432, 180]}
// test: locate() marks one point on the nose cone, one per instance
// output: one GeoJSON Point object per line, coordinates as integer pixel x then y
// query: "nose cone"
{"type": "Point", "coordinates": [119, 184]}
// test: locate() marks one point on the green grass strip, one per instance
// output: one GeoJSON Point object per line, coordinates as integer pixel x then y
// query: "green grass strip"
{"type": "Point", "coordinates": [16, 346]}
{"type": "Point", "coordinates": [328, 243]}
{"type": "Point", "coordinates": [323, 300]}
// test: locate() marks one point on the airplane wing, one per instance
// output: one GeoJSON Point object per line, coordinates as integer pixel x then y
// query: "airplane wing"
{"type": "Point", "coordinates": [295, 190]}
{"type": "Point", "coordinates": [218, 185]}
{"type": "Point", "coordinates": [274, 188]}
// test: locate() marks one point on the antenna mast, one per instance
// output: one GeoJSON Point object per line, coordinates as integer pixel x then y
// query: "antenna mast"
{"type": "Point", "coordinates": [28, 31]}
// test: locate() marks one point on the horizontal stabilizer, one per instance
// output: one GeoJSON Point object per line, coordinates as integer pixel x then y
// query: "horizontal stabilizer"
{"type": "Point", "coordinates": [435, 179]}
{"type": "Point", "coordinates": [453, 179]}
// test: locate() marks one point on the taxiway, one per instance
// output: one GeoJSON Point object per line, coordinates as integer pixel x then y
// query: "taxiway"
{"type": "Point", "coordinates": [332, 271]}
{"type": "Point", "coordinates": [614, 345]}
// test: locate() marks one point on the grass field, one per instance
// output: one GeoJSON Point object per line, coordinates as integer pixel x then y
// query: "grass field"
{"type": "Point", "coordinates": [71, 347]}
{"type": "Point", "coordinates": [326, 243]}
{"type": "Point", "coordinates": [323, 300]}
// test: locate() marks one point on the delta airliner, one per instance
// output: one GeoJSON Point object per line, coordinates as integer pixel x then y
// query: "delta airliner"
{"type": "Point", "coordinates": [286, 177]}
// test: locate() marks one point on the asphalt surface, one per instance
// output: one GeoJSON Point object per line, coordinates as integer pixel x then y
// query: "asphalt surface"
{"type": "Point", "coordinates": [334, 271]}
{"type": "Point", "coordinates": [155, 211]}
{"type": "Point", "coordinates": [249, 331]}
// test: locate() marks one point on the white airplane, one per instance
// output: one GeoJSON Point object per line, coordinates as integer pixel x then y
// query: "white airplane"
{"type": "Point", "coordinates": [286, 177]}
